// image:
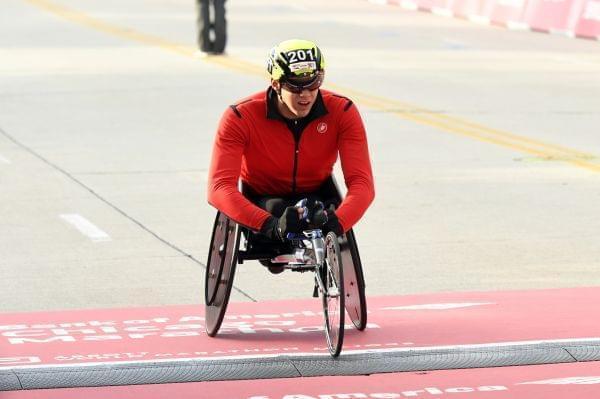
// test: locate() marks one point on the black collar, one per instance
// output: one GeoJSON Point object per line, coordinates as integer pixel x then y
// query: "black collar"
{"type": "Point", "coordinates": [318, 109]}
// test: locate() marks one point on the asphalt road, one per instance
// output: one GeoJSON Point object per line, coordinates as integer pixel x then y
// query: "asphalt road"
{"type": "Point", "coordinates": [484, 144]}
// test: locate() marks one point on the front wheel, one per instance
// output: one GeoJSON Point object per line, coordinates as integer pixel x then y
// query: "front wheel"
{"type": "Point", "coordinates": [333, 295]}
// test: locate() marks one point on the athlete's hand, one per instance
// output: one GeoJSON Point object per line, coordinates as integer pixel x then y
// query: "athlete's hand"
{"type": "Point", "coordinates": [333, 224]}
{"type": "Point", "coordinates": [317, 216]}
{"type": "Point", "coordinates": [289, 222]}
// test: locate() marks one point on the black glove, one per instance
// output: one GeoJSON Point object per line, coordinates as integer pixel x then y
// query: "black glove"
{"type": "Point", "coordinates": [289, 222]}
{"type": "Point", "coordinates": [317, 216]}
{"type": "Point", "coordinates": [333, 224]}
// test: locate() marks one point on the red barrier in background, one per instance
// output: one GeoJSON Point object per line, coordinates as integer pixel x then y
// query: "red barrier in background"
{"type": "Point", "coordinates": [589, 20]}
{"type": "Point", "coordinates": [553, 15]}
{"type": "Point", "coordinates": [466, 8]}
{"type": "Point", "coordinates": [579, 18]}
{"type": "Point", "coordinates": [504, 12]}
{"type": "Point", "coordinates": [434, 5]}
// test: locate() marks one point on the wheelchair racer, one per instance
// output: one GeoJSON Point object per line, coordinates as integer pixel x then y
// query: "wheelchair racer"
{"type": "Point", "coordinates": [282, 144]}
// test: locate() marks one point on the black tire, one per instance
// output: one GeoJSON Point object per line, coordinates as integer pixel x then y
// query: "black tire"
{"type": "Point", "coordinates": [354, 282]}
{"type": "Point", "coordinates": [333, 297]}
{"type": "Point", "coordinates": [220, 271]}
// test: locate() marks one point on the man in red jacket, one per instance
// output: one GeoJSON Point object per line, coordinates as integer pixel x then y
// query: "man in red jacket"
{"type": "Point", "coordinates": [283, 142]}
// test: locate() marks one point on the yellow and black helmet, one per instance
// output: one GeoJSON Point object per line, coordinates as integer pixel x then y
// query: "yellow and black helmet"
{"type": "Point", "coordinates": [295, 58]}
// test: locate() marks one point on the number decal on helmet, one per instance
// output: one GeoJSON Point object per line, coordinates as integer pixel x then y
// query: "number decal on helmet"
{"type": "Point", "coordinates": [300, 55]}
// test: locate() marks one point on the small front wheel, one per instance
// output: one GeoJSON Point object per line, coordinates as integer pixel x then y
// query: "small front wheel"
{"type": "Point", "coordinates": [333, 295]}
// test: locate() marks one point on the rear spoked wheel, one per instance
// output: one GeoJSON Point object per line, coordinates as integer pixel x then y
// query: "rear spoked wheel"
{"type": "Point", "coordinates": [354, 281]}
{"type": "Point", "coordinates": [220, 270]}
{"type": "Point", "coordinates": [333, 295]}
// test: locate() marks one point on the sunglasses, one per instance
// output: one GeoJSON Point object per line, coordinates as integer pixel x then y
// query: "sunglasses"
{"type": "Point", "coordinates": [298, 88]}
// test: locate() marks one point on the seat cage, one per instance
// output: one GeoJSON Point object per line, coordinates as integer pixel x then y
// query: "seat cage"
{"type": "Point", "coordinates": [261, 248]}
{"type": "Point", "coordinates": [232, 243]}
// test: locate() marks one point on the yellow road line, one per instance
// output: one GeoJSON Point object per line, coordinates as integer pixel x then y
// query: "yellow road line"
{"type": "Point", "coordinates": [392, 106]}
{"type": "Point", "coordinates": [458, 126]}
{"type": "Point", "coordinates": [122, 32]}
{"type": "Point", "coordinates": [142, 38]}
{"type": "Point", "coordinates": [447, 123]}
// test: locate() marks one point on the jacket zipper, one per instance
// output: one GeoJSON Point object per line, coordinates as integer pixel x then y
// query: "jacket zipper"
{"type": "Point", "coordinates": [296, 151]}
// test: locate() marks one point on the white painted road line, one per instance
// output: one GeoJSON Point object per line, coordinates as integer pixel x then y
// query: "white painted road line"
{"type": "Point", "coordinates": [86, 227]}
{"type": "Point", "coordinates": [19, 360]}
{"type": "Point", "coordinates": [566, 381]}
{"type": "Point", "coordinates": [4, 160]}
{"type": "Point", "coordinates": [438, 306]}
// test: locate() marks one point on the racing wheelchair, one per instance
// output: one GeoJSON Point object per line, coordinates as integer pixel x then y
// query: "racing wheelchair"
{"type": "Point", "coordinates": [335, 261]}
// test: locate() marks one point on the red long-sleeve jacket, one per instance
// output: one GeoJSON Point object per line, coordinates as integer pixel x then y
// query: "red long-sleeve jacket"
{"type": "Point", "coordinates": [254, 143]}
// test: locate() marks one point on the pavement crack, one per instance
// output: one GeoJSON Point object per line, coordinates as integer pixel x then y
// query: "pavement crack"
{"type": "Point", "coordinates": [111, 205]}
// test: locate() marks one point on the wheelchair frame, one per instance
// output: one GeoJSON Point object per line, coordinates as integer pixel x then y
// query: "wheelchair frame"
{"type": "Point", "coordinates": [225, 254]}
